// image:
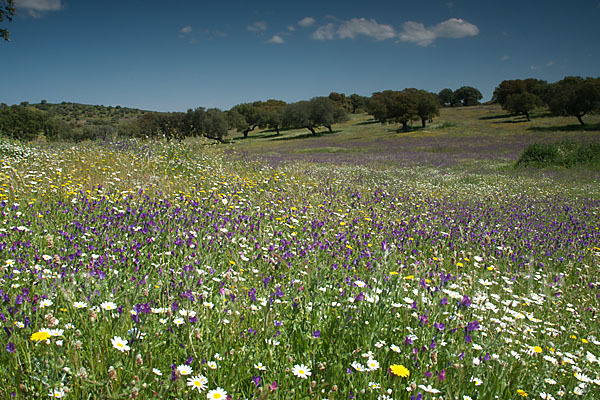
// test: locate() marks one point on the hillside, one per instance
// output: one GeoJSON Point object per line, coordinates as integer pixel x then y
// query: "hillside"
{"type": "Point", "coordinates": [87, 114]}
{"type": "Point", "coordinates": [458, 136]}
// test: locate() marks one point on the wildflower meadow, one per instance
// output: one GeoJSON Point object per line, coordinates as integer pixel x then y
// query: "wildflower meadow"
{"type": "Point", "coordinates": [167, 270]}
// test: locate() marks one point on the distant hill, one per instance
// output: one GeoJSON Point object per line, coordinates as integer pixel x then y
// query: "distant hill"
{"type": "Point", "coordinates": [69, 121]}
{"type": "Point", "coordinates": [87, 114]}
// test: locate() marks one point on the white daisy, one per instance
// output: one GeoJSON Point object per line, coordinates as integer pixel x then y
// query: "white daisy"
{"type": "Point", "coordinates": [120, 344]}
{"type": "Point", "coordinates": [108, 306]}
{"type": "Point", "coordinates": [301, 371]}
{"type": "Point", "coordinates": [428, 389]}
{"type": "Point", "coordinates": [184, 370]}
{"type": "Point", "coordinates": [372, 365]}
{"type": "Point", "coordinates": [46, 303]}
{"type": "Point", "coordinates": [218, 393]}
{"type": "Point", "coordinates": [198, 382]}
{"type": "Point", "coordinates": [57, 393]}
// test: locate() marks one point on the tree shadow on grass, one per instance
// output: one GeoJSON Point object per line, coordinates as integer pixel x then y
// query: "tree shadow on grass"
{"type": "Point", "coordinates": [566, 128]}
{"type": "Point", "coordinates": [307, 135]}
{"type": "Point", "coordinates": [369, 122]}
{"type": "Point", "coordinates": [499, 116]}
{"type": "Point", "coordinates": [535, 115]}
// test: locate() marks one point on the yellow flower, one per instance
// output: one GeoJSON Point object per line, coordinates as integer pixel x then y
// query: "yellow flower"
{"type": "Point", "coordinates": [39, 336]}
{"type": "Point", "coordinates": [400, 370]}
{"type": "Point", "coordinates": [522, 393]}
{"type": "Point", "coordinates": [409, 277]}
{"type": "Point", "coordinates": [394, 273]}
{"type": "Point", "coordinates": [537, 349]}
{"type": "Point", "coordinates": [459, 264]}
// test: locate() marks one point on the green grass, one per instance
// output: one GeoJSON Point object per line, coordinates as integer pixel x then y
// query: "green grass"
{"type": "Point", "coordinates": [479, 278]}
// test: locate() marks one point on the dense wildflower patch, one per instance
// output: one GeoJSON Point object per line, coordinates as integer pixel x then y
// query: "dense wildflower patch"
{"type": "Point", "coordinates": [155, 270]}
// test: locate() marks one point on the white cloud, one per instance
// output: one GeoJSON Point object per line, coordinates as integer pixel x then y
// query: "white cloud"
{"type": "Point", "coordinates": [291, 28]}
{"type": "Point", "coordinates": [35, 8]}
{"type": "Point", "coordinates": [276, 39]}
{"type": "Point", "coordinates": [361, 26]}
{"type": "Point", "coordinates": [505, 57]}
{"type": "Point", "coordinates": [186, 29]}
{"type": "Point", "coordinates": [324, 32]}
{"type": "Point", "coordinates": [550, 63]}
{"type": "Point", "coordinates": [454, 28]}
{"type": "Point", "coordinates": [257, 26]}
{"type": "Point", "coordinates": [306, 22]}
{"type": "Point", "coordinates": [352, 28]}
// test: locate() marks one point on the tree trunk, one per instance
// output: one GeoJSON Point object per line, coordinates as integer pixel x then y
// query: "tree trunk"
{"type": "Point", "coordinates": [404, 125]}
{"type": "Point", "coordinates": [579, 119]}
{"type": "Point", "coordinates": [312, 130]}
{"type": "Point", "coordinates": [248, 130]}
{"type": "Point", "coordinates": [277, 129]}
{"type": "Point", "coordinates": [527, 116]}
{"type": "Point", "coordinates": [423, 122]}
{"type": "Point", "coordinates": [329, 127]}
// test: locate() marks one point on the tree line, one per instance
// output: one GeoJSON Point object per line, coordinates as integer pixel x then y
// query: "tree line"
{"type": "Point", "coordinates": [573, 96]}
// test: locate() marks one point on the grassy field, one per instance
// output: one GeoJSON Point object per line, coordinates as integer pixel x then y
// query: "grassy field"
{"type": "Point", "coordinates": [459, 136]}
{"type": "Point", "coordinates": [369, 263]}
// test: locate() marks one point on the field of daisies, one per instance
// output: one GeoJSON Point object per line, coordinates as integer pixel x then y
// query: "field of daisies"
{"type": "Point", "coordinates": [177, 271]}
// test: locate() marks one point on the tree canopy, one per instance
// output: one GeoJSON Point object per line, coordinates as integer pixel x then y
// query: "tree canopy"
{"type": "Point", "coordinates": [7, 11]}
{"type": "Point", "coordinates": [446, 97]}
{"type": "Point", "coordinates": [248, 116]}
{"type": "Point", "coordinates": [467, 96]}
{"type": "Point", "coordinates": [403, 106]}
{"type": "Point", "coordinates": [520, 96]}
{"type": "Point", "coordinates": [574, 96]}
{"type": "Point", "coordinates": [507, 88]}
{"type": "Point", "coordinates": [319, 111]}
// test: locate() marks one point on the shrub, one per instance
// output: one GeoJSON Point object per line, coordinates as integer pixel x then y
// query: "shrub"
{"type": "Point", "coordinates": [566, 153]}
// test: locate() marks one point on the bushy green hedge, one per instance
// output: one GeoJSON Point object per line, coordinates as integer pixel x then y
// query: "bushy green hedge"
{"type": "Point", "coordinates": [566, 153]}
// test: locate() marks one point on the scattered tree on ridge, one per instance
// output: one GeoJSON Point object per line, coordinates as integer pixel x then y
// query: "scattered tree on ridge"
{"type": "Point", "coordinates": [428, 105]}
{"type": "Point", "coordinates": [319, 111]}
{"type": "Point", "coordinates": [357, 101]}
{"type": "Point", "coordinates": [403, 106]}
{"type": "Point", "coordinates": [507, 88]}
{"type": "Point", "coordinates": [522, 103]}
{"type": "Point", "coordinates": [248, 116]}
{"type": "Point", "coordinates": [574, 96]}
{"type": "Point", "coordinates": [446, 97]}
{"type": "Point", "coordinates": [468, 96]}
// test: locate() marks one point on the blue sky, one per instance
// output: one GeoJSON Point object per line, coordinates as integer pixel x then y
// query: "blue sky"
{"type": "Point", "coordinates": [174, 55]}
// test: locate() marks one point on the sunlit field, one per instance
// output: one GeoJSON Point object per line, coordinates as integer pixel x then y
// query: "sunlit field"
{"type": "Point", "coordinates": [158, 270]}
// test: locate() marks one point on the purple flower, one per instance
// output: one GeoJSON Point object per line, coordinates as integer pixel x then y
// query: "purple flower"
{"type": "Point", "coordinates": [442, 375]}
{"type": "Point", "coordinates": [444, 301]}
{"type": "Point", "coordinates": [256, 379]}
{"type": "Point", "coordinates": [427, 374]}
{"type": "Point", "coordinates": [10, 347]}
{"type": "Point", "coordinates": [466, 301]}
{"type": "Point", "coordinates": [472, 326]}
{"type": "Point", "coordinates": [317, 334]}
